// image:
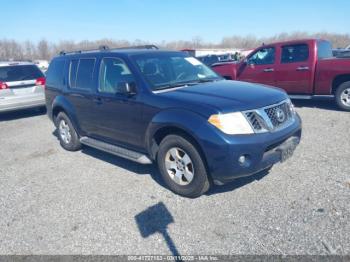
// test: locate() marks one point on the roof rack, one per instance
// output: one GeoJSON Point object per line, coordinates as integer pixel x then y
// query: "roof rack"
{"type": "Point", "coordinates": [103, 48]}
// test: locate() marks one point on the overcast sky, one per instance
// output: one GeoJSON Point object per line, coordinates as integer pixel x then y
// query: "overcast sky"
{"type": "Point", "coordinates": [157, 20]}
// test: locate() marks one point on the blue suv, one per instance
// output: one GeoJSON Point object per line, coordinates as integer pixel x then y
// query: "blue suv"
{"type": "Point", "coordinates": [149, 105]}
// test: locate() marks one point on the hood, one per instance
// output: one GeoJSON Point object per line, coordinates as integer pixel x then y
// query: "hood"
{"type": "Point", "coordinates": [227, 96]}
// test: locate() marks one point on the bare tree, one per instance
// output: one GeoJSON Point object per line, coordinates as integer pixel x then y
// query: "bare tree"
{"type": "Point", "coordinates": [10, 49]}
{"type": "Point", "coordinates": [43, 50]}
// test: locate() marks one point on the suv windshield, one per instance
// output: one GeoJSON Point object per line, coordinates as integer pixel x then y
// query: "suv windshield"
{"type": "Point", "coordinates": [19, 73]}
{"type": "Point", "coordinates": [167, 70]}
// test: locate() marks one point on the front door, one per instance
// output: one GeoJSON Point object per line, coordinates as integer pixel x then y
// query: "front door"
{"type": "Point", "coordinates": [117, 116]}
{"type": "Point", "coordinates": [259, 67]}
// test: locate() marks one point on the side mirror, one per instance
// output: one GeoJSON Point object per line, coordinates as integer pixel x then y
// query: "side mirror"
{"type": "Point", "coordinates": [126, 88]}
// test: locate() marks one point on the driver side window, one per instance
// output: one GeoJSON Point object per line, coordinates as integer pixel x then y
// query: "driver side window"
{"type": "Point", "coordinates": [264, 56]}
{"type": "Point", "coordinates": [113, 72]}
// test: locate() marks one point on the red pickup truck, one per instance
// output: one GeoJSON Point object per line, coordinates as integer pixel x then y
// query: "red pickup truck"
{"type": "Point", "coordinates": [306, 69]}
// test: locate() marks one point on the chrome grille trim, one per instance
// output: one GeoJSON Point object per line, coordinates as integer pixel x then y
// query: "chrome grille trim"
{"type": "Point", "coordinates": [264, 119]}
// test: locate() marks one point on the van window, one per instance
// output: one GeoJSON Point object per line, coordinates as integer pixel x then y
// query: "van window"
{"type": "Point", "coordinates": [84, 73]}
{"type": "Point", "coordinates": [19, 73]}
{"type": "Point", "coordinates": [295, 53]}
{"type": "Point", "coordinates": [54, 74]}
{"type": "Point", "coordinates": [113, 72]}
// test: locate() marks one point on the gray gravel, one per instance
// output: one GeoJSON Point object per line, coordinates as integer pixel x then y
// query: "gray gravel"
{"type": "Point", "coordinates": [57, 202]}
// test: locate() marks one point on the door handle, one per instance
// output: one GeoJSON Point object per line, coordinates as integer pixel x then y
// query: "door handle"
{"type": "Point", "coordinates": [77, 95]}
{"type": "Point", "coordinates": [269, 70]}
{"type": "Point", "coordinates": [303, 68]}
{"type": "Point", "coordinates": [97, 100]}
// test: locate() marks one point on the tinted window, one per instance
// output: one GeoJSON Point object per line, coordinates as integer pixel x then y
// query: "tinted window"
{"type": "Point", "coordinates": [265, 56]}
{"type": "Point", "coordinates": [113, 72]}
{"type": "Point", "coordinates": [73, 66]}
{"type": "Point", "coordinates": [54, 75]}
{"type": "Point", "coordinates": [20, 72]}
{"type": "Point", "coordinates": [324, 49]}
{"type": "Point", "coordinates": [295, 53]}
{"type": "Point", "coordinates": [85, 73]}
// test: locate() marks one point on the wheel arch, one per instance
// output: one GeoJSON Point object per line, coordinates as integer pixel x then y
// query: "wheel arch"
{"type": "Point", "coordinates": [60, 104]}
{"type": "Point", "coordinates": [177, 122]}
{"type": "Point", "coordinates": [338, 80]}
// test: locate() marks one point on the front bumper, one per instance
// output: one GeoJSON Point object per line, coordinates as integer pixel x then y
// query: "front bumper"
{"type": "Point", "coordinates": [21, 102]}
{"type": "Point", "coordinates": [261, 151]}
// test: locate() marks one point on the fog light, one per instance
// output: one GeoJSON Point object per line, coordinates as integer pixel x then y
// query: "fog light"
{"type": "Point", "coordinates": [242, 159]}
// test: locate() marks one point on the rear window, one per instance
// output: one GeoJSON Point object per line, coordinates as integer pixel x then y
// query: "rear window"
{"type": "Point", "coordinates": [324, 49]}
{"type": "Point", "coordinates": [54, 75]}
{"type": "Point", "coordinates": [295, 53]}
{"type": "Point", "coordinates": [19, 73]}
{"type": "Point", "coordinates": [81, 73]}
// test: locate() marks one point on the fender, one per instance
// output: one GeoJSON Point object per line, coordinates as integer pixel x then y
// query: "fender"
{"type": "Point", "coordinates": [60, 102]}
{"type": "Point", "coordinates": [189, 122]}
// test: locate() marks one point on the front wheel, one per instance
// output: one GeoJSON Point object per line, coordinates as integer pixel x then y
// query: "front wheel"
{"type": "Point", "coordinates": [182, 167]}
{"type": "Point", "coordinates": [342, 96]}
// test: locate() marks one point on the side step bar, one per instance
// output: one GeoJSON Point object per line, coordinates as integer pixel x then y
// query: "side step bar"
{"type": "Point", "coordinates": [315, 97]}
{"type": "Point", "coordinates": [116, 150]}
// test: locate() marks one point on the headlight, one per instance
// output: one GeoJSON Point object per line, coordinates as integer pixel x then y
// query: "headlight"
{"type": "Point", "coordinates": [231, 123]}
{"type": "Point", "coordinates": [291, 107]}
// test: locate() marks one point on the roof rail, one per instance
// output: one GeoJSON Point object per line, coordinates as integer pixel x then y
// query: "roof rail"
{"type": "Point", "coordinates": [103, 48]}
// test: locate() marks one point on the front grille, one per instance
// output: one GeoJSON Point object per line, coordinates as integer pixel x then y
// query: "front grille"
{"type": "Point", "coordinates": [270, 118]}
{"type": "Point", "coordinates": [254, 121]}
{"type": "Point", "coordinates": [279, 114]}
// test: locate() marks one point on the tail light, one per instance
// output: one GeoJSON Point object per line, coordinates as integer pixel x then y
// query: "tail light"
{"type": "Point", "coordinates": [3, 85]}
{"type": "Point", "coordinates": [41, 81]}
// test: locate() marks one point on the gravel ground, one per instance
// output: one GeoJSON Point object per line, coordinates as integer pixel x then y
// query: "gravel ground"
{"type": "Point", "coordinates": [89, 202]}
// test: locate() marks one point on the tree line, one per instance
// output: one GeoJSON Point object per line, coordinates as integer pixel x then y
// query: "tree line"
{"type": "Point", "coordinates": [28, 50]}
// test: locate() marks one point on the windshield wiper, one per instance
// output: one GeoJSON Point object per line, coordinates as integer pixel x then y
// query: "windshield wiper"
{"type": "Point", "coordinates": [187, 83]}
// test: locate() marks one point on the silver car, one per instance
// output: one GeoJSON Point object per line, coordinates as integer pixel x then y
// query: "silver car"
{"type": "Point", "coordinates": [21, 86]}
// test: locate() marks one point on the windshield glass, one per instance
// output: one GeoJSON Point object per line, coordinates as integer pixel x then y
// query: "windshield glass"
{"type": "Point", "coordinates": [167, 70]}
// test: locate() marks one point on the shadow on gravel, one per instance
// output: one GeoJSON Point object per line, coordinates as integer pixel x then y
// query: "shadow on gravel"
{"type": "Point", "coordinates": [156, 219]}
{"type": "Point", "coordinates": [24, 113]}
{"type": "Point", "coordinates": [237, 183]}
{"type": "Point", "coordinates": [152, 170]}
{"type": "Point", "coordinates": [321, 104]}
{"type": "Point", "coordinates": [139, 169]}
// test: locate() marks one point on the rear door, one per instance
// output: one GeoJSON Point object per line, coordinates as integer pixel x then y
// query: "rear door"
{"type": "Point", "coordinates": [81, 82]}
{"type": "Point", "coordinates": [294, 72]}
{"type": "Point", "coordinates": [259, 67]}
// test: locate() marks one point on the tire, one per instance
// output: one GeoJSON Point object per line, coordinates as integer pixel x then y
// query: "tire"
{"type": "Point", "coordinates": [343, 91]}
{"type": "Point", "coordinates": [184, 186]}
{"type": "Point", "coordinates": [67, 135]}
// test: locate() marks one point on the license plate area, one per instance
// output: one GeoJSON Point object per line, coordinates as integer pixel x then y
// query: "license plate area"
{"type": "Point", "coordinates": [287, 148]}
{"type": "Point", "coordinates": [23, 91]}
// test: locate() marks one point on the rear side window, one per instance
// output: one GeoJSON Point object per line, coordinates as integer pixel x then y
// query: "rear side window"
{"type": "Point", "coordinates": [19, 73]}
{"type": "Point", "coordinates": [73, 66]}
{"type": "Point", "coordinates": [54, 75]}
{"type": "Point", "coordinates": [82, 79]}
{"type": "Point", "coordinates": [295, 53]}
